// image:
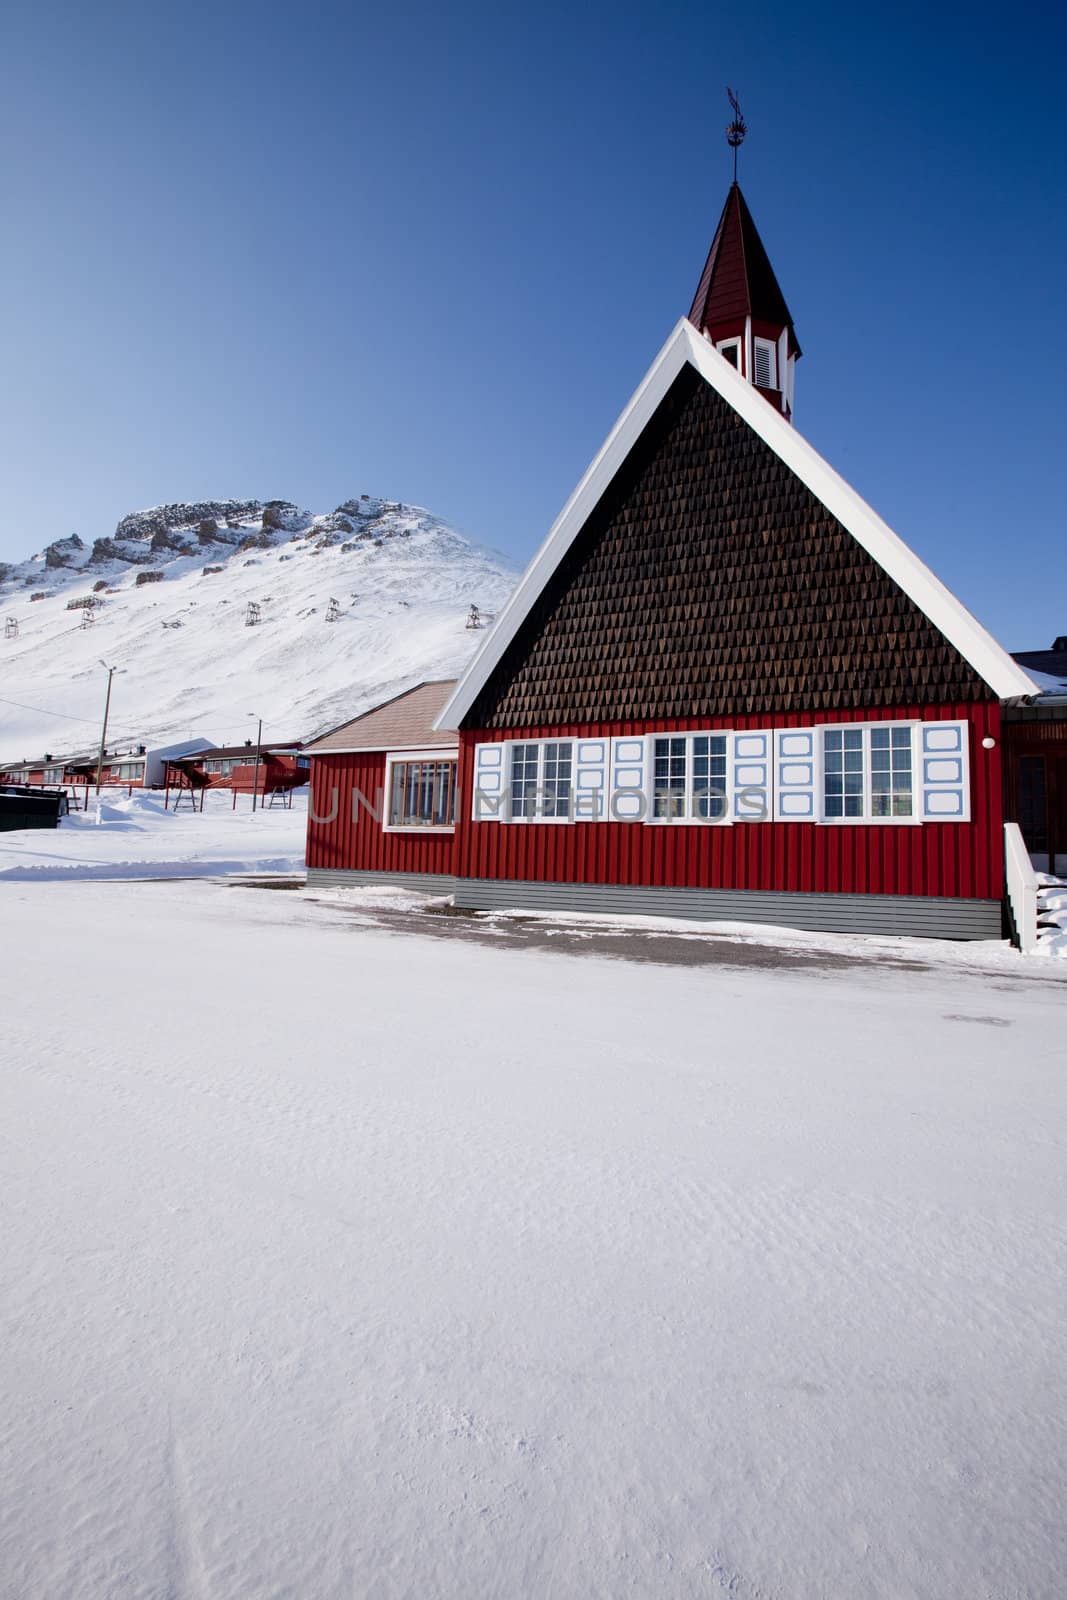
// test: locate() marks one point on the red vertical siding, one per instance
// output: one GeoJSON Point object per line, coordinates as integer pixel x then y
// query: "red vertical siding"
{"type": "Point", "coordinates": [353, 839]}
{"type": "Point", "coordinates": [955, 859]}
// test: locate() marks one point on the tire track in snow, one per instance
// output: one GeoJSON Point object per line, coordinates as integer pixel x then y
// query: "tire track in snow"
{"type": "Point", "coordinates": [187, 1576]}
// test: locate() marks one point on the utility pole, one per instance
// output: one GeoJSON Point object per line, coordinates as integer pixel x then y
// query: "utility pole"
{"type": "Point", "coordinates": [259, 745]}
{"type": "Point", "coordinates": [103, 732]}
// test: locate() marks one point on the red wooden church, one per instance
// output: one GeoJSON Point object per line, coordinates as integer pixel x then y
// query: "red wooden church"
{"type": "Point", "coordinates": [724, 688]}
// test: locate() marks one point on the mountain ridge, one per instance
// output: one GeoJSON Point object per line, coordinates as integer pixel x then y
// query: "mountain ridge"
{"type": "Point", "coordinates": [215, 610]}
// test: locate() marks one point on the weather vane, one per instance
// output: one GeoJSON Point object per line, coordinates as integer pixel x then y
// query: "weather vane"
{"type": "Point", "coordinates": [735, 133]}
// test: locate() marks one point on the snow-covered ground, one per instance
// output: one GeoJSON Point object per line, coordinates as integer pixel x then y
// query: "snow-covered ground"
{"type": "Point", "coordinates": [136, 837]}
{"type": "Point", "coordinates": [341, 1261]}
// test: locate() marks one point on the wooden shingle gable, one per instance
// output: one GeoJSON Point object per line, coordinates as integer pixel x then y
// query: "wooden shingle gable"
{"type": "Point", "coordinates": [710, 562]}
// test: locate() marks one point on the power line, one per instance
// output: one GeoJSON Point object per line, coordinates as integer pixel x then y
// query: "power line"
{"type": "Point", "coordinates": [116, 737]}
{"type": "Point", "coordinates": [41, 710]}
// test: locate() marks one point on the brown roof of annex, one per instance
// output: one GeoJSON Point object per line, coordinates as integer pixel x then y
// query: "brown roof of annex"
{"type": "Point", "coordinates": [404, 723]}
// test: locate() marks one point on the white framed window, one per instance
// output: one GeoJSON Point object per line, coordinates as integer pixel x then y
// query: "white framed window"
{"type": "Point", "coordinates": [420, 793]}
{"type": "Point", "coordinates": [689, 778]}
{"type": "Point", "coordinates": [868, 773]}
{"type": "Point", "coordinates": [53, 774]}
{"type": "Point", "coordinates": [731, 350]}
{"type": "Point", "coordinates": [127, 771]}
{"type": "Point", "coordinates": [541, 780]}
{"type": "Point", "coordinates": [765, 363]}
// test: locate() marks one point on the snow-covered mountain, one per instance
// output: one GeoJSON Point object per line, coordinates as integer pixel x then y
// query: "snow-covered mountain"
{"type": "Point", "coordinates": [352, 606]}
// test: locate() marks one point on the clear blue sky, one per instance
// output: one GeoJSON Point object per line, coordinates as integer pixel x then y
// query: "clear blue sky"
{"type": "Point", "coordinates": [310, 251]}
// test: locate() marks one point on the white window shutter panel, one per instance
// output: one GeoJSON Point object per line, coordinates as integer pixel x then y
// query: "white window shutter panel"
{"type": "Point", "coordinates": [764, 361]}
{"type": "Point", "coordinates": [490, 772]}
{"type": "Point", "coordinates": [944, 778]}
{"type": "Point", "coordinates": [796, 774]}
{"type": "Point", "coordinates": [627, 801]}
{"type": "Point", "coordinates": [750, 776]}
{"type": "Point", "coordinates": [591, 779]}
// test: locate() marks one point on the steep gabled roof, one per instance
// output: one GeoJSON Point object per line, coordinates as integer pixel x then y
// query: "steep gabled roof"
{"type": "Point", "coordinates": [686, 348]}
{"type": "Point", "coordinates": [738, 280]}
{"type": "Point", "coordinates": [406, 722]}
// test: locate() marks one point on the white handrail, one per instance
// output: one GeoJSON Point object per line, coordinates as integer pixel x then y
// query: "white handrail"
{"type": "Point", "coordinates": [1022, 887]}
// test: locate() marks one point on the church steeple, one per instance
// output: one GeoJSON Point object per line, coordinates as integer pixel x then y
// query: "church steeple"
{"type": "Point", "coordinates": [738, 305]}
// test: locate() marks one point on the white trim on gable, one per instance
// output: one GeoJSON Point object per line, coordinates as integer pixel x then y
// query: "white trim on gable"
{"type": "Point", "coordinates": [1003, 675]}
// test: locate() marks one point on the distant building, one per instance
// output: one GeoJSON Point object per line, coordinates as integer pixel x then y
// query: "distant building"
{"type": "Point", "coordinates": [1035, 758]}
{"type": "Point", "coordinates": [137, 766]}
{"type": "Point", "coordinates": [283, 766]}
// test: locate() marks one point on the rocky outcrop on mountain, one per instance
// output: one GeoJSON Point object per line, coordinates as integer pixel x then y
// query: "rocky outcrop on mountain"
{"type": "Point", "coordinates": [186, 514]}
{"type": "Point", "coordinates": [61, 552]}
{"type": "Point", "coordinates": [368, 505]}
{"type": "Point", "coordinates": [164, 541]}
{"type": "Point", "coordinates": [331, 529]}
{"type": "Point", "coordinates": [105, 550]}
{"type": "Point", "coordinates": [283, 516]}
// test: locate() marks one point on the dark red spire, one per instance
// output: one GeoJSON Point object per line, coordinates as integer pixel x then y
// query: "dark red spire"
{"type": "Point", "coordinates": [738, 304]}
{"type": "Point", "coordinates": [738, 279]}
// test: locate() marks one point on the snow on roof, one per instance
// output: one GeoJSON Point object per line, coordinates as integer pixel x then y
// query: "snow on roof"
{"type": "Point", "coordinates": [1050, 685]}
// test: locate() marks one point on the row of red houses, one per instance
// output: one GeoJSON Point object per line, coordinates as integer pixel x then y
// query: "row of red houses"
{"type": "Point", "coordinates": [723, 689]}
{"type": "Point", "coordinates": [191, 765]}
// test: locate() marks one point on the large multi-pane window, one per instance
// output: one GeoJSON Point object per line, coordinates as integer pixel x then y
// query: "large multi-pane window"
{"type": "Point", "coordinates": [867, 772]}
{"type": "Point", "coordinates": [422, 794]}
{"type": "Point", "coordinates": [541, 779]}
{"type": "Point", "coordinates": [689, 777]}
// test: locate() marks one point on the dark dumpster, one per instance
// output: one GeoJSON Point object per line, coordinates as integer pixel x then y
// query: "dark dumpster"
{"type": "Point", "coordinates": [22, 806]}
